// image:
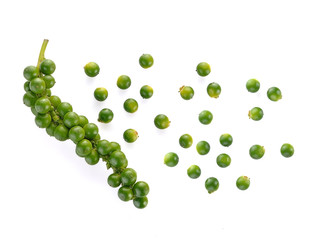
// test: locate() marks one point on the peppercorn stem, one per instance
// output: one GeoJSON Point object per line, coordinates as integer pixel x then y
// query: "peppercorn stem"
{"type": "Point", "coordinates": [41, 56]}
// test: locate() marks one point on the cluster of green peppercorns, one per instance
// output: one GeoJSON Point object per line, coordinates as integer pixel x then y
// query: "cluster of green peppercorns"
{"type": "Point", "coordinates": [61, 122]}
{"type": "Point", "coordinates": [223, 160]}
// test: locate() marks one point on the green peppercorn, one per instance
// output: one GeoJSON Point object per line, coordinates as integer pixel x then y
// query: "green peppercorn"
{"type": "Point", "coordinates": [193, 171]}
{"type": "Point", "coordinates": [213, 90]}
{"type": "Point", "coordinates": [171, 159]}
{"type": "Point", "coordinates": [223, 160]}
{"type": "Point", "coordinates": [203, 69]}
{"type": "Point", "coordinates": [186, 92]}
{"type": "Point", "coordinates": [123, 82]}
{"type": "Point", "coordinates": [130, 105]}
{"type": "Point", "coordinates": [287, 150]}
{"type": "Point", "coordinates": [114, 180]}
{"type": "Point", "coordinates": [92, 69]}
{"type": "Point", "coordinates": [203, 147]}
{"type": "Point", "coordinates": [274, 94]}
{"type": "Point", "coordinates": [146, 61]}
{"type": "Point", "coordinates": [146, 91]}
{"type": "Point", "coordinates": [130, 135]}
{"type": "Point", "coordinates": [101, 94]}
{"type": "Point", "coordinates": [205, 117]}
{"type": "Point", "coordinates": [185, 141]}
{"type": "Point", "coordinates": [105, 115]}
{"type": "Point", "coordinates": [211, 184]}
{"type": "Point", "coordinates": [243, 182]}
{"type": "Point", "coordinates": [256, 114]}
{"type": "Point", "coordinates": [225, 140]}
{"type": "Point", "coordinates": [256, 151]}
{"type": "Point", "coordinates": [161, 121]}
{"type": "Point", "coordinates": [47, 67]}
{"type": "Point", "coordinates": [253, 85]}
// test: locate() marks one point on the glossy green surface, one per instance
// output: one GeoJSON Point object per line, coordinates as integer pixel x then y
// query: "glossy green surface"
{"type": "Point", "coordinates": [29, 99]}
{"type": "Point", "coordinates": [223, 160]}
{"type": "Point", "coordinates": [253, 85]}
{"type": "Point", "coordinates": [105, 115]}
{"type": "Point", "coordinates": [226, 139]}
{"type": "Point", "coordinates": [141, 189]}
{"type": "Point", "coordinates": [100, 94]}
{"type": "Point", "coordinates": [30, 72]}
{"type": "Point", "coordinates": [71, 119]}
{"type": "Point", "coordinates": [274, 94]}
{"type": "Point", "coordinates": [124, 82]}
{"type": "Point", "coordinates": [140, 202]}
{"type": "Point", "coordinates": [185, 141]}
{"type": "Point", "coordinates": [203, 147]}
{"type": "Point", "coordinates": [243, 182]}
{"type": "Point", "coordinates": [91, 130]}
{"type": "Point", "coordinates": [82, 120]}
{"type": "Point", "coordinates": [130, 135]}
{"type": "Point", "coordinates": [55, 101]}
{"type": "Point", "coordinates": [76, 134]}
{"type": "Point", "coordinates": [42, 105]}
{"type": "Point", "coordinates": [125, 194]}
{"type": "Point", "coordinates": [203, 69]}
{"type": "Point", "coordinates": [256, 114]}
{"type": "Point", "coordinates": [92, 158]}
{"type": "Point", "coordinates": [51, 129]}
{"type": "Point", "coordinates": [47, 67]}
{"type": "Point", "coordinates": [130, 105]}
{"type": "Point", "coordinates": [83, 148]}
{"type": "Point", "coordinates": [92, 69]}
{"type": "Point", "coordinates": [211, 184]}
{"type": "Point", "coordinates": [63, 108]}
{"type": "Point", "coordinates": [103, 147]}
{"type": "Point", "coordinates": [256, 151]}
{"type": "Point", "coordinates": [146, 91]}
{"type": "Point", "coordinates": [26, 86]}
{"type": "Point", "coordinates": [114, 180]}
{"type": "Point", "coordinates": [186, 92]}
{"type": "Point", "coordinates": [146, 61]}
{"type": "Point", "coordinates": [213, 90]}
{"type": "Point", "coordinates": [171, 159]}
{"type": "Point", "coordinates": [287, 150]}
{"type": "Point", "coordinates": [128, 177]}
{"type": "Point", "coordinates": [193, 172]}
{"type": "Point", "coordinates": [37, 85]}
{"type": "Point", "coordinates": [43, 120]}
{"type": "Point", "coordinates": [161, 121]}
{"type": "Point", "coordinates": [205, 117]}
{"type": "Point", "coordinates": [49, 81]}
{"type": "Point", "coordinates": [61, 132]}
{"type": "Point", "coordinates": [118, 160]}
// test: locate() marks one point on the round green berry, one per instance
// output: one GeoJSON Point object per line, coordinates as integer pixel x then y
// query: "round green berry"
{"type": "Point", "coordinates": [146, 61]}
{"type": "Point", "coordinates": [193, 171]}
{"type": "Point", "coordinates": [146, 91]}
{"type": "Point", "coordinates": [274, 94]}
{"type": "Point", "coordinates": [256, 151]}
{"type": "Point", "coordinates": [124, 82]}
{"type": "Point", "coordinates": [203, 69]}
{"type": "Point", "coordinates": [256, 114]}
{"type": "Point", "coordinates": [213, 90]}
{"type": "Point", "coordinates": [171, 159]}
{"type": "Point", "coordinates": [130, 105]}
{"type": "Point", "coordinates": [105, 115]}
{"type": "Point", "coordinates": [243, 182]}
{"type": "Point", "coordinates": [223, 160]}
{"type": "Point", "coordinates": [130, 135]}
{"type": "Point", "coordinates": [287, 150]}
{"type": "Point", "coordinates": [185, 141]}
{"type": "Point", "coordinates": [186, 92]}
{"type": "Point", "coordinates": [92, 69]}
{"type": "Point", "coordinates": [161, 121]}
{"type": "Point", "coordinates": [47, 67]}
{"type": "Point", "coordinates": [225, 140]}
{"type": "Point", "coordinates": [205, 117]}
{"type": "Point", "coordinates": [253, 85]}
{"type": "Point", "coordinates": [100, 94]}
{"type": "Point", "coordinates": [203, 147]}
{"type": "Point", "coordinates": [211, 184]}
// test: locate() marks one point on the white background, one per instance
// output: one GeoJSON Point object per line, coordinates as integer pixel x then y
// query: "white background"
{"type": "Point", "coordinates": [47, 192]}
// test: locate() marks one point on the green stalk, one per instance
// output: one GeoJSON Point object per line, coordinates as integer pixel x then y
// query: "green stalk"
{"type": "Point", "coordinates": [41, 56]}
